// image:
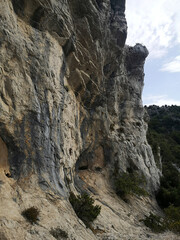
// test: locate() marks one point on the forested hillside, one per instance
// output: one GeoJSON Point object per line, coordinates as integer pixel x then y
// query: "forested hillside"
{"type": "Point", "coordinates": [164, 138]}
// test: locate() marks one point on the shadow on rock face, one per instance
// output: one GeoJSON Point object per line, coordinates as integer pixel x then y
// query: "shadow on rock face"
{"type": "Point", "coordinates": [11, 158]}
{"type": "Point", "coordinates": [2, 236]}
{"type": "Point", "coordinates": [36, 17]}
{"type": "Point", "coordinates": [118, 5]}
{"type": "Point", "coordinates": [18, 6]}
{"type": "Point", "coordinates": [4, 165]}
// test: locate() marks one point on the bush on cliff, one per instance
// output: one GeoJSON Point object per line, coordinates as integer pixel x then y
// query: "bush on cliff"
{"type": "Point", "coordinates": [84, 208]}
{"type": "Point", "coordinates": [31, 214]}
{"type": "Point", "coordinates": [129, 183]}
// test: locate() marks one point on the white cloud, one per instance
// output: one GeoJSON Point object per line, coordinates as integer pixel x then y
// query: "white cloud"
{"type": "Point", "coordinates": [159, 100]}
{"type": "Point", "coordinates": [154, 23]}
{"type": "Point", "coordinates": [173, 66]}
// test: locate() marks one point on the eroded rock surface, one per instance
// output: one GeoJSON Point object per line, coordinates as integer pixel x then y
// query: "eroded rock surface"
{"type": "Point", "coordinates": [70, 103]}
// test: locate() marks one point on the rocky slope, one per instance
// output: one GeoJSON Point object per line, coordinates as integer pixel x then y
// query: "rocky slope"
{"type": "Point", "coordinates": [70, 114]}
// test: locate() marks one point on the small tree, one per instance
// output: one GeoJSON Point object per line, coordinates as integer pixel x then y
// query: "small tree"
{"type": "Point", "coordinates": [129, 183]}
{"type": "Point", "coordinates": [84, 208]}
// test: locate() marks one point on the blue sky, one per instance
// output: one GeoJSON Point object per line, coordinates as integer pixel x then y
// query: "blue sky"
{"type": "Point", "coordinates": [156, 24]}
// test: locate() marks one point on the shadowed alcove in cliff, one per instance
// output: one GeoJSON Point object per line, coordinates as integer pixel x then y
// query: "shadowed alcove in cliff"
{"type": "Point", "coordinates": [18, 6]}
{"type": "Point", "coordinates": [11, 156]}
{"type": "Point", "coordinates": [4, 164]}
{"type": "Point", "coordinates": [95, 159]}
{"type": "Point", "coordinates": [31, 13]}
{"type": "Point", "coordinates": [36, 17]}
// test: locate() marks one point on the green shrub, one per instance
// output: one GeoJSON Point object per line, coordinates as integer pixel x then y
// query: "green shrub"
{"type": "Point", "coordinates": [31, 214]}
{"type": "Point", "coordinates": [174, 226]}
{"type": "Point", "coordinates": [129, 183]}
{"type": "Point", "coordinates": [173, 213]}
{"type": "Point", "coordinates": [173, 218]}
{"type": "Point", "coordinates": [58, 233]}
{"type": "Point", "coordinates": [155, 223]}
{"type": "Point", "coordinates": [84, 208]}
{"type": "Point", "coordinates": [171, 221]}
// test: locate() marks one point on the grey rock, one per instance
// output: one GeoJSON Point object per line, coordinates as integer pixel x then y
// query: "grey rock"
{"type": "Point", "coordinates": [104, 79]}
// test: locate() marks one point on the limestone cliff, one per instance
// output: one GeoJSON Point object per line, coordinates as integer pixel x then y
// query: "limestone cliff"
{"type": "Point", "coordinates": [70, 114]}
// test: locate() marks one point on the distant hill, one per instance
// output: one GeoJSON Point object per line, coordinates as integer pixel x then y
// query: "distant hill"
{"type": "Point", "coordinates": [164, 137]}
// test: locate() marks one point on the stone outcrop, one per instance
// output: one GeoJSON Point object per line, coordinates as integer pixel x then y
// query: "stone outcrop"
{"type": "Point", "coordinates": [70, 109]}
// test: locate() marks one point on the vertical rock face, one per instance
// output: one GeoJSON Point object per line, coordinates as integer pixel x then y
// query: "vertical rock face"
{"type": "Point", "coordinates": [70, 91]}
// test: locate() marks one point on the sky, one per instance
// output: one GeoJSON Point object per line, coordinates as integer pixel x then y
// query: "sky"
{"type": "Point", "coordinates": [156, 24]}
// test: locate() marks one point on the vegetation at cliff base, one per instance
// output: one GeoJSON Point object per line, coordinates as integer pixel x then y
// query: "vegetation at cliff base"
{"type": "Point", "coordinates": [164, 138]}
{"type": "Point", "coordinates": [170, 222]}
{"type": "Point", "coordinates": [172, 218]}
{"type": "Point", "coordinates": [84, 208]}
{"type": "Point", "coordinates": [155, 223]}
